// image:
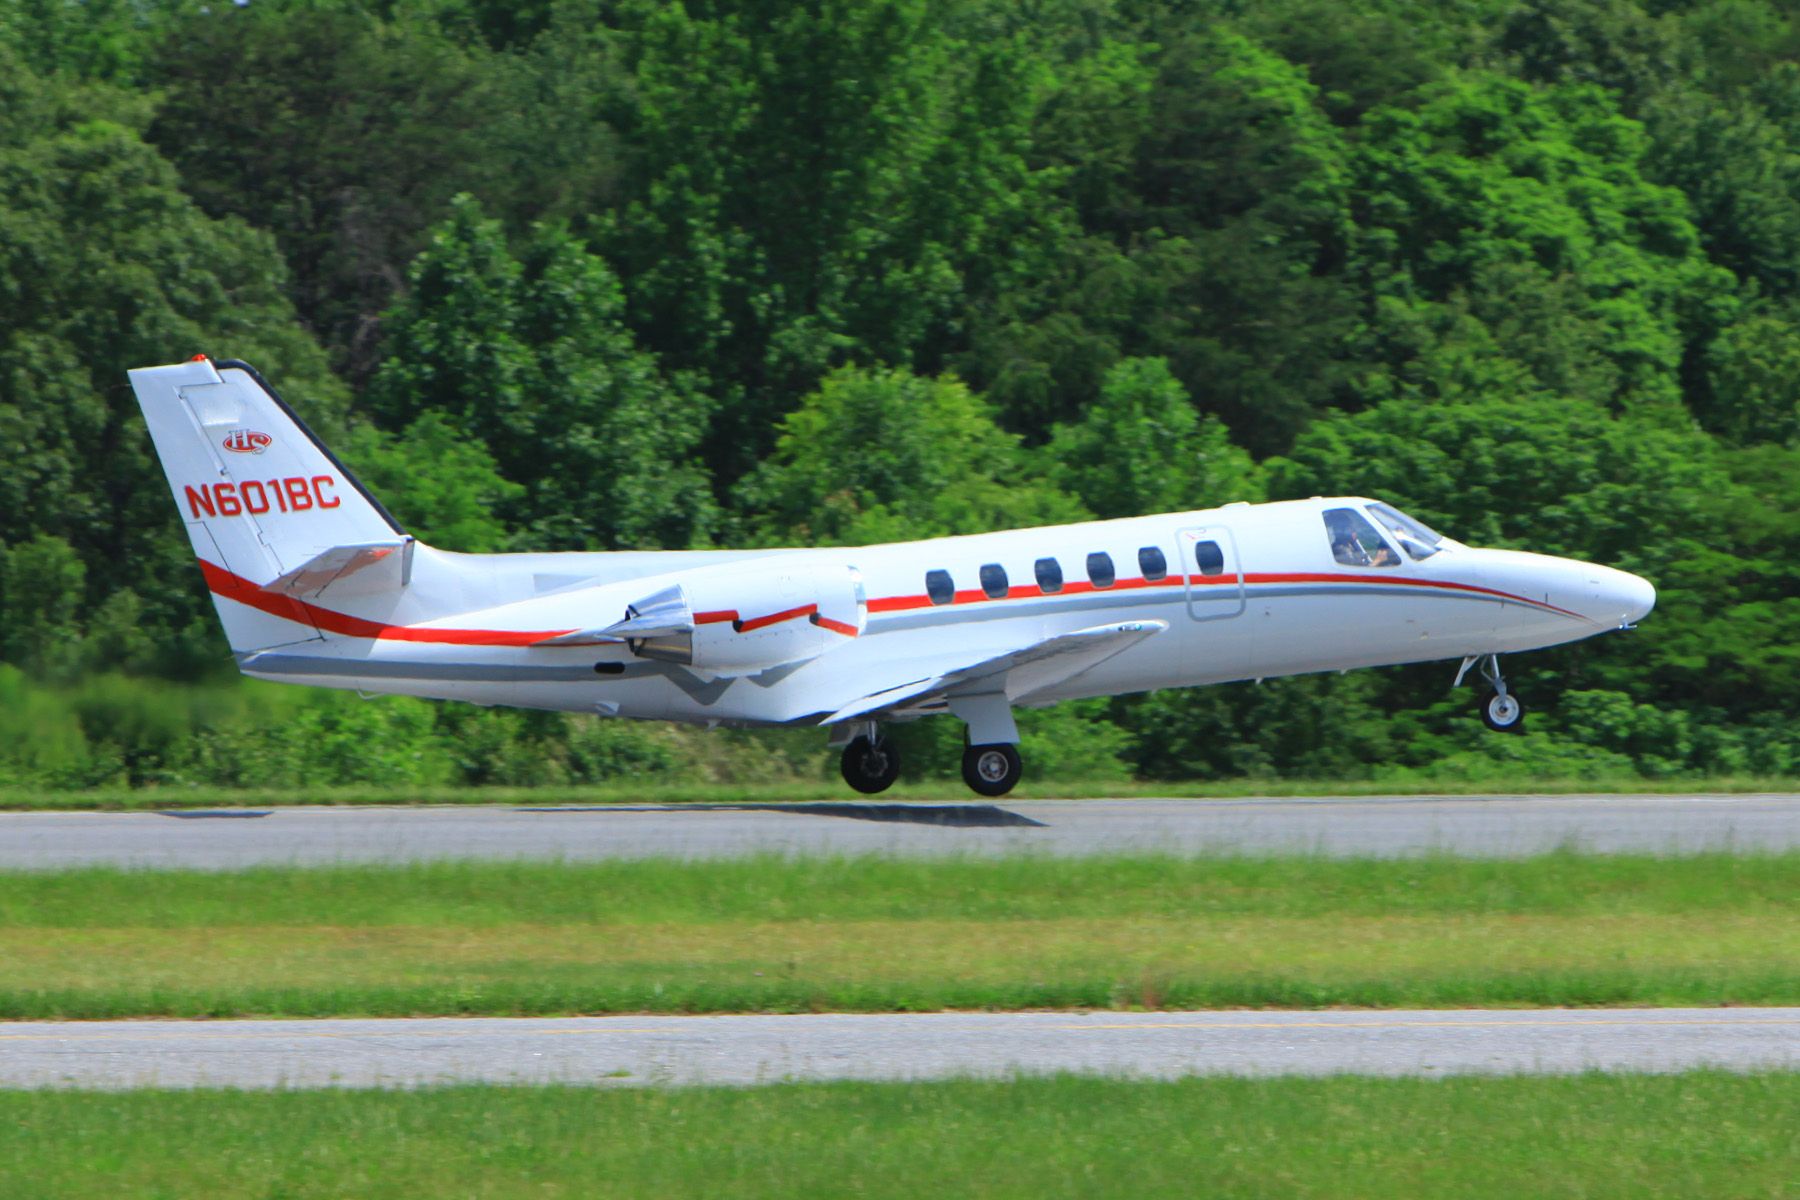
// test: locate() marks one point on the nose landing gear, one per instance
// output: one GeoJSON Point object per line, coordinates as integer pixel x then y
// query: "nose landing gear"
{"type": "Point", "coordinates": [1501, 711]}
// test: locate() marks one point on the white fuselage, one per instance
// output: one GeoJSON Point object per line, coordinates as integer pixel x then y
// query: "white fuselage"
{"type": "Point", "coordinates": [1246, 591]}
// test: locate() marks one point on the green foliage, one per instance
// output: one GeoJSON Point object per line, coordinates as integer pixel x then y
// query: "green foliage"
{"type": "Point", "coordinates": [42, 586]}
{"type": "Point", "coordinates": [1753, 377]}
{"type": "Point", "coordinates": [877, 456]}
{"type": "Point", "coordinates": [105, 264]}
{"type": "Point", "coordinates": [440, 484]}
{"type": "Point", "coordinates": [528, 356]}
{"type": "Point", "coordinates": [1527, 212]}
{"type": "Point", "coordinates": [1225, 192]}
{"type": "Point", "coordinates": [811, 186]}
{"type": "Point", "coordinates": [346, 137]}
{"type": "Point", "coordinates": [1141, 448]}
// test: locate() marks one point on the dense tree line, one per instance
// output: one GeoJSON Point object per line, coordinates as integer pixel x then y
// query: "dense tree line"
{"type": "Point", "coordinates": [622, 273]}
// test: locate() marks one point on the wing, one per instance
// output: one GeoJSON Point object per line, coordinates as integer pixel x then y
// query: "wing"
{"type": "Point", "coordinates": [1019, 673]}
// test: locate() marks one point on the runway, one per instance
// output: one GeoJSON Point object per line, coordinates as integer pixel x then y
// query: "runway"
{"type": "Point", "coordinates": [1382, 825]}
{"type": "Point", "coordinates": [763, 1049]}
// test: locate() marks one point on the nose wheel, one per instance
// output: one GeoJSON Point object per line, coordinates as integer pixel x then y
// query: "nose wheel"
{"type": "Point", "coordinates": [1503, 713]}
{"type": "Point", "coordinates": [1501, 710]}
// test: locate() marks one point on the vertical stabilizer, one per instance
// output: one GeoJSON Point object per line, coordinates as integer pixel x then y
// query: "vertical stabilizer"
{"type": "Point", "coordinates": [260, 495]}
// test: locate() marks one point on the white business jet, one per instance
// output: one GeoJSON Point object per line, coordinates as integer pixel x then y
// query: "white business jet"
{"type": "Point", "coordinates": [316, 584]}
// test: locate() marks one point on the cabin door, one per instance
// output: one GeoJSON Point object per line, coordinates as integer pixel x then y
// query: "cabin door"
{"type": "Point", "coordinates": [1215, 576]}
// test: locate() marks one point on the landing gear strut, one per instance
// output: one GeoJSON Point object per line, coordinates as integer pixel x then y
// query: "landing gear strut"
{"type": "Point", "coordinates": [1501, 711]}
{"type": "Point", "coordinates": [992, 770]}
{"type": "Point", "coordinates": [871, 762]}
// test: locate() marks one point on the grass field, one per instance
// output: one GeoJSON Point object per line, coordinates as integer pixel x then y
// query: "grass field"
{"type": "Point", "coordinates": [778, 934]}
{"type": "Point", "coordinates": [150, 799]}
{"type": "Point", "coordinates": [1688, 1135]}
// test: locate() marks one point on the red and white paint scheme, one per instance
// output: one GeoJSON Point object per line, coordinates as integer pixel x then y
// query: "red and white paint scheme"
{"type": "Point", "coordinates": [316, 584]}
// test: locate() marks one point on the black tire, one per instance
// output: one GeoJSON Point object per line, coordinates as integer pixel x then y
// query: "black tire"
{"type": "Point", "coordinates": [871, 767]}
{"type": "Point", "coordinates": [1503, 714]}
{"type": "Point", "coordinates": [992, 770]}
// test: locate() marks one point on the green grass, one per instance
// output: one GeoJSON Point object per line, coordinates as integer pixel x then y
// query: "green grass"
{"type": "Point", "coordinates": [870, 934]}
{"type": "Point", "coordinates": [151, 799]}
{"type": "Point", "coordinates": [1687, 1135]}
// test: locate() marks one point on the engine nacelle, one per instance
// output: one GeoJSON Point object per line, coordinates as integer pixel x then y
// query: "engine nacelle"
{"type": "Point", "coordinates": [746, 618]}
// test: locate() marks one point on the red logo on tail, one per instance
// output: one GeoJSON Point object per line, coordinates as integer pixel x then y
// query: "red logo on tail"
{"type": "Point", "coordinates": [246, 441]}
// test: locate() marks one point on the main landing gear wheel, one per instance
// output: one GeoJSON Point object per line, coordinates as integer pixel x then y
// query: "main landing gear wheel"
{"type": "Point", "coordinates": [871, 766]}
{"type": "Point", "coordinates": [1503, 713]}
{"type": "Point", "coordinates": [992, 770]}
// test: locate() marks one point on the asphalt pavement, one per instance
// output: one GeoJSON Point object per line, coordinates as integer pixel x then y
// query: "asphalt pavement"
{"type": "Point", "coordinates": [763, 1049]}
{"type": "Point", "coordinates": [1378, 825]}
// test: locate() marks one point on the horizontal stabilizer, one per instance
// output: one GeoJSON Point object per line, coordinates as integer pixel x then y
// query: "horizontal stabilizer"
{"type": "Point", "coordinates": [348, 571]}
{"type": "Point", "coordinates": [1019, 673]}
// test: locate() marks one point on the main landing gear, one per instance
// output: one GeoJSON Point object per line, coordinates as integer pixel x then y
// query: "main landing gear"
{"type": "Point", "coordinates": [990, 762]}
{"type": "Point", "coordinates": [992, 770]}
{"type": "Point", "coordinates": [871, 762]}
{"type": "Point", "coordinates": [1501, 711]}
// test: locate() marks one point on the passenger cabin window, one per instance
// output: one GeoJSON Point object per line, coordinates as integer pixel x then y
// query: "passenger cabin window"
{"type": "Point", "coordinates": [1418, 539]}
{"type": "Point", "coordinates": [1100, 569]}
{"type": "Point", "coordinates": [939, 587]}
{"type": "Point", "coordinates": [1049, 576]}
{"type": "Point", "coordinates": [1354, 542]}
{"type": "Point", "coordinates": [1152, 563]}
{"type": "Point", "coordinates": [1208, 558]}
{"type": "Point", "coordinates": [993, 581]}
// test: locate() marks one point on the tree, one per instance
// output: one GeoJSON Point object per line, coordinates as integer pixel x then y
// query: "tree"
{"type": "Point", "coordinates": [1141, 448]}
{"type": "Point", "coordinates": [814, 185]}
{"type": "Point", "coordinates": [1498, 199]}
{"type": "Point", "coordinates": [346, 137]}
{"type": "Point", "coordinates": [1753, 377]}
{"type": "Point", "coordinates": [884, 455]}
{"type": "Point", "coordinates": [1740, 170]}
{"type": "Point", "coordinates": [42, 587]}
{"type": "Point", "coordinates": [440, 484]}
{"type": "Point", "coordinates": [1217, 244]}
{"type": "Point", "coordinates": [530, 357]}
{"type": "Point", "coordinates": [106, 265]}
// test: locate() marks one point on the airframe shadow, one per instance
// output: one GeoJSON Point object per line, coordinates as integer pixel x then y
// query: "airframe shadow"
{"type": "Point", "coordinates": [961, 816]}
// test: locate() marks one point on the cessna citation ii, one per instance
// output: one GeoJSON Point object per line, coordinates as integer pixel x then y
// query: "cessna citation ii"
{"type": "Point", "coordinates": [316, 584]}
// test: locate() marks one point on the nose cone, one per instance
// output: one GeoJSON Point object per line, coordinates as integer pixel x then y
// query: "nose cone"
{"type": "Point", "coordinates": [1619, 596]}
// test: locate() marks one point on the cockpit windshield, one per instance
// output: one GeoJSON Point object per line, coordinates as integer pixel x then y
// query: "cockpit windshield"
{"type": "Point", "coordinates": [1419, 540]}
{"type": "Point", "coordinates": [1354, 542]}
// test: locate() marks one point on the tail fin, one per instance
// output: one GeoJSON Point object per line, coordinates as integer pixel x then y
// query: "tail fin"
{"type": "Point", "coordinates": [272, 514]}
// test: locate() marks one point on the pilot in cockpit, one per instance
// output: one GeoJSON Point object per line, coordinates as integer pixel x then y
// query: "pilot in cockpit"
{"type": "Point", "coordinates": [1344, 546]}
{"type": "Point", "coordinates": [1354, 542]}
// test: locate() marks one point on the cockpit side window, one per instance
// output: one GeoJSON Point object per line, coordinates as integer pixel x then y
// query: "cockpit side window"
{"type": "Point", "coordinates": [1418, 539]}
{"type": "Point", "coordinates": [1354, 542]}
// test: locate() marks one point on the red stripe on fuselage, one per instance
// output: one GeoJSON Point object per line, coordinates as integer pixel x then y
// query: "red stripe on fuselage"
{"type": "Point", "coordinates": [842, 627]}
{"type": "Point", "coordinates": [887, 604]}
{"type": "Point", "coordinates": [233, 587]}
